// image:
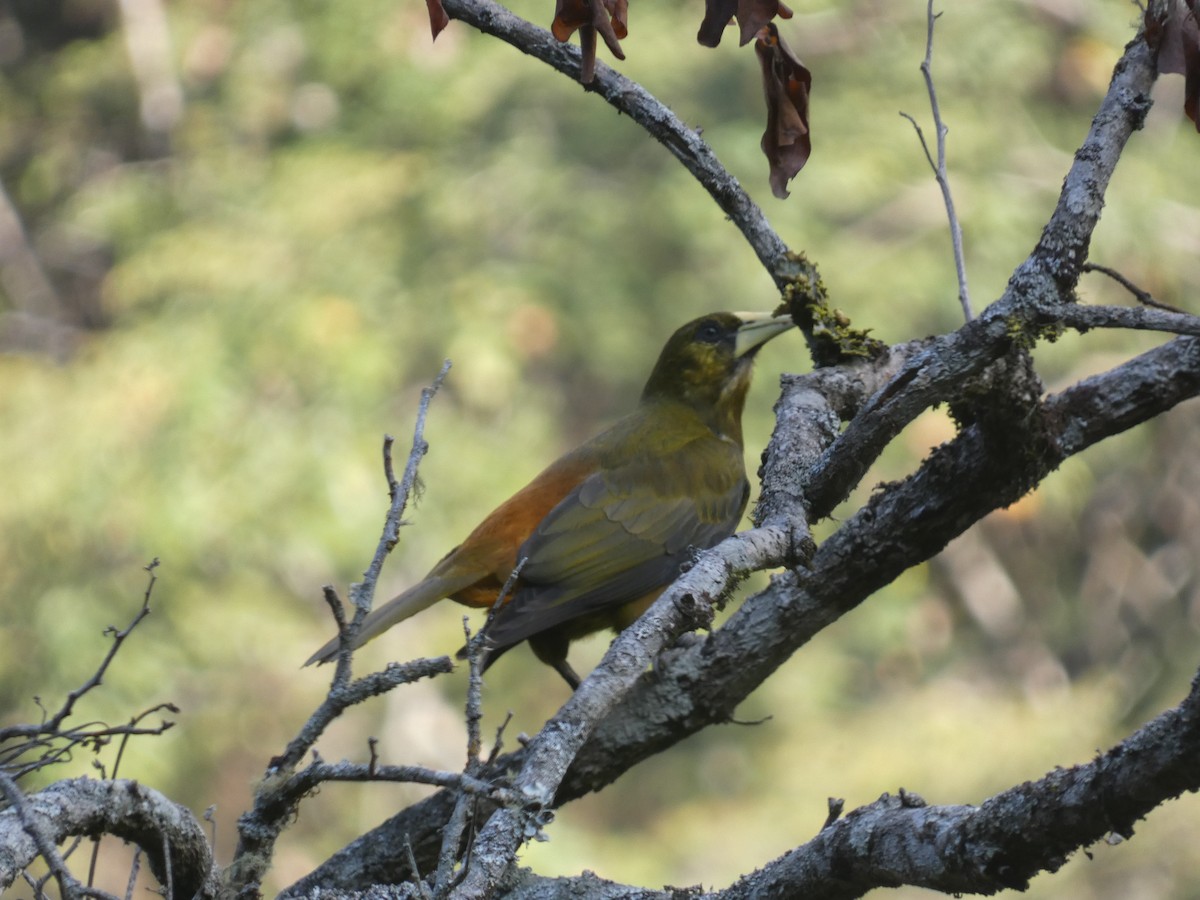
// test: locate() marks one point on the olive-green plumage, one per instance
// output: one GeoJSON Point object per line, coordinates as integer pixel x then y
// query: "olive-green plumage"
{"type": "Point", "coordinates": [605, 528]}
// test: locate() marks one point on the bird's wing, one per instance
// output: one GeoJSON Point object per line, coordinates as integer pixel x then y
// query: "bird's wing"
{"type": "Point", "coordinates": [623, 532]}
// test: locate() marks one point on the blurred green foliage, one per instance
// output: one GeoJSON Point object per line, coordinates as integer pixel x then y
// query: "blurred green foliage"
{"type": "Point", "coordinates": [265, 284]}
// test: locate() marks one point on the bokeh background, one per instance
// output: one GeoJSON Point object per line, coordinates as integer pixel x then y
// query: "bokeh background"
{"type": "Point", "coordinates": [251, 231]}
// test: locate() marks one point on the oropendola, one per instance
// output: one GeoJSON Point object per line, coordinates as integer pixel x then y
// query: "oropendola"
{"type": "Point", "coordinates": [607, 527]}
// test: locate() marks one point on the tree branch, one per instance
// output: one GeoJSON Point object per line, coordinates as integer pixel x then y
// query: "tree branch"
{"type": "Point", "coordinates": [169, 835]}
{"type": "Point", "coordinates": [998, 845]}
{"type": "Point", "coordinates": [1140, 318]}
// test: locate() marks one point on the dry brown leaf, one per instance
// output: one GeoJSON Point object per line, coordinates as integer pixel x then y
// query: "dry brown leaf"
{"type": "Point", "coordinates": [438, 19]}
{"type": "Point", "coordinates": [786, 83]}
{"type": "Point", "coordinates": [752, 16]}
{"type": "Point", "coordinates": [608, 18]}
{"type": "Point", "coordinates": [1177, 36]}
{"type": "Point", "coordinates": [717, 14]}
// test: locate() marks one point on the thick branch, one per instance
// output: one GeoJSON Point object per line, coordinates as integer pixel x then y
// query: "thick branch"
{"type": "Point", "coordinates": [984, 849]}
{"type": "Point", "coordinates": [1008, 839]}
{"type": "Point", "coordinates": [1000, 844]}
{"type": "Point", "coordinates": [126, 809]}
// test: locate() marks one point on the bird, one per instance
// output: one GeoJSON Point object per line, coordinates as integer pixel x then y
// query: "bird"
{"type": "Point", "coordinates": [604, 529]}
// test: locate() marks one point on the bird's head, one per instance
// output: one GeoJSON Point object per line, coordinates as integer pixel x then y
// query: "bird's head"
{"type": "Point", "coordinates": [706, 365]}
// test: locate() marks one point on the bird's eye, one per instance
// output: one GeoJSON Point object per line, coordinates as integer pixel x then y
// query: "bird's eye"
{"type": "Point", "coordinates": [710, 332]}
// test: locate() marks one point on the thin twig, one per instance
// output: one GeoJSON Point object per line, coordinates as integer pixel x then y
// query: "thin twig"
{"type": "Point", "coordinates": [277, 800]}
{"type": "Point", "coordinates": [474, 709]}
{"type": "Point", "coordinates": [412, 864]}
{"type": "Point", "coordinates": [135, 869]}
{"type": "Point", "coordinates": [211, 818]}
{"type": "Point", "coordinates": [118, 635]}
{"type": "Point", "coordinates": [169, 884]}
{"type": "Point", "coordinates": [498, 744]}
{"type": "Point", "coordinates": [52, 741]}
{"type": "Point", "coordinates": [452, 835]}
{"type": "Point", "coordinates": [836, 806]}
{"type": "Point", "coordinates": [319, 772]}
{"type": "Point", "coordinates": [451, 841]}
{"type": "Point", "coordinates": [1142, 296]}
{"type": "Point", "coordinates": [343, 697]}
{"type": "Point", "coordinates": [939, 166]}
{"type": "Point", "coordinates": [373, 748]}
{"type": "Point", "coordinates": [400, 498]}
{"type": "Point", "coordinates": [362, 594]}
{"type": "Point", "coordinates": [475, 649]}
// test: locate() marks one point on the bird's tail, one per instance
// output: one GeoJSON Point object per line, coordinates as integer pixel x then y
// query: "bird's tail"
{"type": "Point", "coordinates": [420, 596]}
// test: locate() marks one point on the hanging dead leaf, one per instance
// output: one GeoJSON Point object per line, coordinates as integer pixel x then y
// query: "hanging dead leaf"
{"type": "Point", "coordinates": [752, 17]}
{"type": "Point", "coordinates": [608, 18]}
{"type": "Point", "coordinates": [1177, 36]}
{"type": "Point", "coordinates": [786, 83]}
{"type": "Point", "coordinates": [717, 14]}
{"type": "Point", "coordinates": [438, 19]}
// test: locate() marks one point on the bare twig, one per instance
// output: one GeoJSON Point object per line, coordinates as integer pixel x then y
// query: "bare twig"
{"type": "Point", "coordinates": [373, 750]}
{"type": "Point", "coordinates": [305, 780]}
{"type": "Point", "coordinates": [278, 797]}
{"type": "Point", "coordinates": [474, 705]}
{"type": "Point", "coordinates": [97, 677]}
{"type": "Point", "coordinates": [475, 647]}
{"type": "Point", "coordinates": [1142, 296]}
{"type": "Point", "coordinates": [135, 869]}
{"type": "Point", "coordinates": [498, 744]}
{"type": "Point", "coordinates": [836, 806]}
{"type": "Point", "coordinates": [52, 741]}
{"type": "Point", "coordinates": [168, 875]}
{"type": "Point", "coordinates": [342, 697]}
{"type": "Point", "coordinates": [939, 165]}
{"type": "Point", "coordinates": [451, 841]}
{"type": "Point", "coordinates": [362, 594]}
{"type": "Point", "coordinates": [412, 862]}
{"type": "Point", "coordinates": [211, 818]}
